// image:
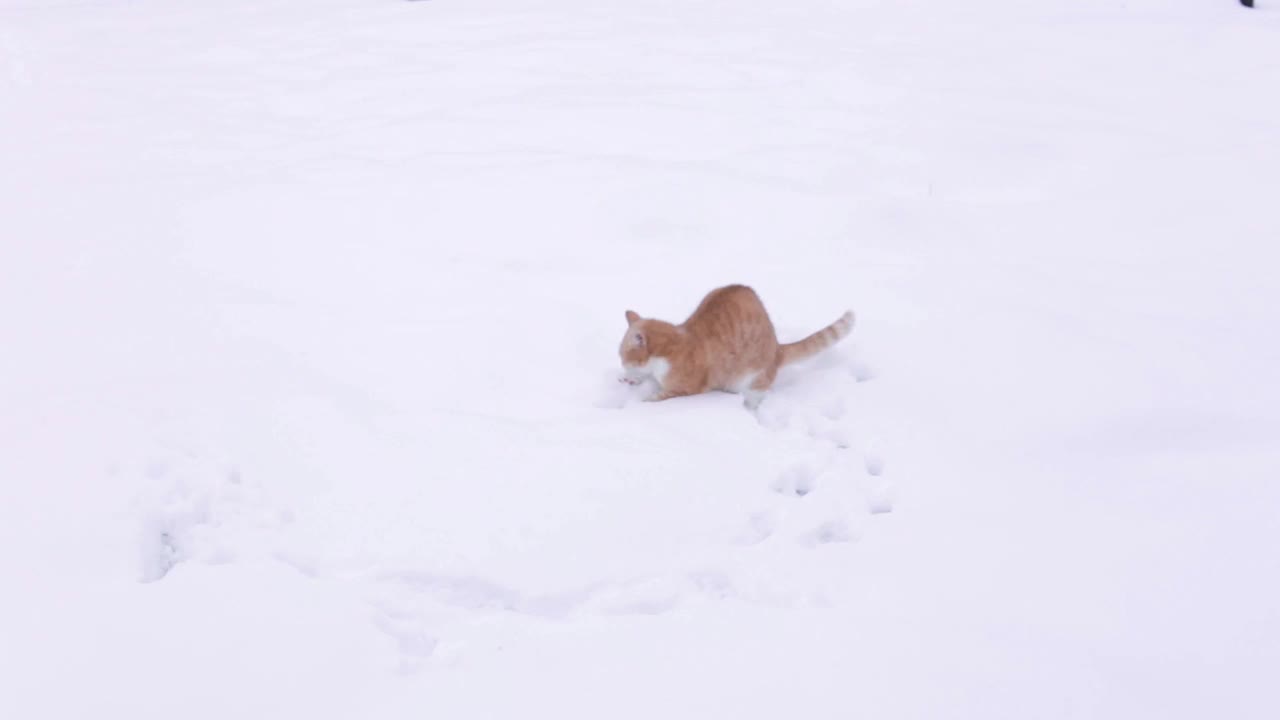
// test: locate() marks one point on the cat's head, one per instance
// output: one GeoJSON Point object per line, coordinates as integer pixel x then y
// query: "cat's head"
{"type": "Point", "coordinates": [634, 348]}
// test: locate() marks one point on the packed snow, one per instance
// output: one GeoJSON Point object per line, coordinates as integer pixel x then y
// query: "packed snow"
{"type": "Point", "coordinates": [309, 399]}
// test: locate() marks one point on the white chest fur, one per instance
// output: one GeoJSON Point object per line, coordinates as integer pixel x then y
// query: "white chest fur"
{"type": "Point", "coordinates": [658, 368]}
{"type": "Point", "coordinates": [655, 367]}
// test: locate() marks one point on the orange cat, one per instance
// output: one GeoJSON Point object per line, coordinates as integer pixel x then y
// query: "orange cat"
{"type": "Point", "coordinates": [728, 344]}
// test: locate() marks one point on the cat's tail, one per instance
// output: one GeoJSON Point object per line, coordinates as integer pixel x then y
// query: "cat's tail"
{"type": "Point", "coordinates": [817, 342]}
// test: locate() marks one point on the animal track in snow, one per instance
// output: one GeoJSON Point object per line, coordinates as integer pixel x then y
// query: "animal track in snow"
{"type": "Point", "coordinates": [413, 641]}
{"type": "Point", "coordinates": [862, 372]}
{"type": "Point", "coordinates": [412, 607]}
{"type": "Point", "coordinates": [879, 503]}
{"type": "Point", "coordinates": [834, 408]}
{"type": "Point", "coordinates": [831, 531]}
{"type": "Point", "coordinates": [840, 477]}
{"type": "Point", "coordinates": [198, 510]}
{"type": "Point", "coordinates": [760, 527]}
{"type": "Point", "coordinates": [875, 466]}
{"type": "Point", "coordinates": [798, 480]}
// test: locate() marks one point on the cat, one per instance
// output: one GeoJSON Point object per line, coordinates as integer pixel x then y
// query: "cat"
{"type": "Point", "coordinates": [727, 344]}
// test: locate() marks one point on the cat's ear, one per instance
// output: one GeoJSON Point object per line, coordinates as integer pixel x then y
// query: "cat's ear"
{"type": "Point", "coordinates": [632, 317]}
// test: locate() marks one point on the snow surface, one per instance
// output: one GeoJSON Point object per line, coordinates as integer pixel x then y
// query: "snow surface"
{"type": "Point", "coordinates": [310, 314]}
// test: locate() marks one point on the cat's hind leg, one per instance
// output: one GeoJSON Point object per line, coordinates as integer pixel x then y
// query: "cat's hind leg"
{"type": "Point", "coordinates": [754, 393]}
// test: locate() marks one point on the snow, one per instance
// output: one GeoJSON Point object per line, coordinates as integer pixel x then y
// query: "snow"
{"type": "Point", "coordinates": [310, 316]}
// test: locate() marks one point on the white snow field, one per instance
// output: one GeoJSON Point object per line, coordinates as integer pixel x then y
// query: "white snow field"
{"type": "Point", "coordinates": [309, 316]}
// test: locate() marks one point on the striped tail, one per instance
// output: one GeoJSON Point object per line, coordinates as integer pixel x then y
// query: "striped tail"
{"type": "Point", "coordinates": [817, 342]}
